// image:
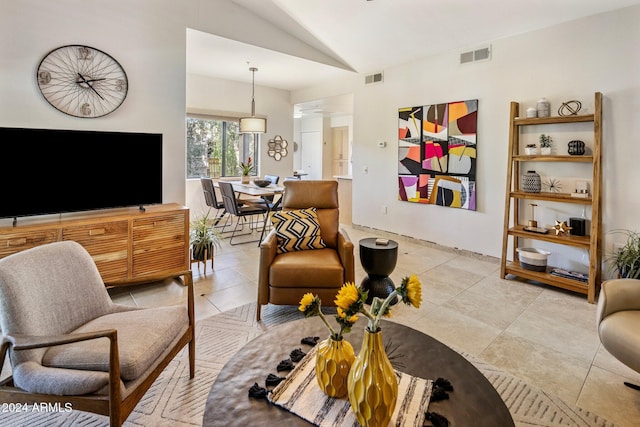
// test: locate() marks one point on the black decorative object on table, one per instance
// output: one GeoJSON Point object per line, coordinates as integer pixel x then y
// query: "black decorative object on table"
{"type": "Point", "coordinates": [285, 365]}
{"type": "Point", "coordinates": [297, 355]}
{"type": "Point", "coordinates": [441, 387]}
{"type": "Point", "coordinates": [261, 182]}
{"type": "Point", "coordinates": [273, 380]}
{"type": "Point", "coordinates": [436, 420]}
{"type": "Point", "coordinates": [378, 261]}
{"type": "Point", "coordinates": [310, 341]}
{"type": "Point", "coordinates": [258, 392]}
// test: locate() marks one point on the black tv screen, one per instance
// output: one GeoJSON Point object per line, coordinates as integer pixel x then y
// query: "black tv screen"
{"type": "Point", "coordinates": [47, 171]}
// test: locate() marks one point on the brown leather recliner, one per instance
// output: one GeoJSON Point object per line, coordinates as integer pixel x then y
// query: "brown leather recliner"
{"type": "Point", "coordinates": [284, 278]}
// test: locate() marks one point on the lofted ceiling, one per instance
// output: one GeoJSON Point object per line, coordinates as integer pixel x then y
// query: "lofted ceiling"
{"type": "Point", "coordinates": [343, 37]}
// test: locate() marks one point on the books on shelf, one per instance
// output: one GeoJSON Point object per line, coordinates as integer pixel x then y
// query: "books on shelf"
{"type": "Point", "coordinates": [570, 274]}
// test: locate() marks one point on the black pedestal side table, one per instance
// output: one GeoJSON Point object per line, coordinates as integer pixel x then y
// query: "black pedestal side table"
{"type": "Point", "coordinates": [378, 262]}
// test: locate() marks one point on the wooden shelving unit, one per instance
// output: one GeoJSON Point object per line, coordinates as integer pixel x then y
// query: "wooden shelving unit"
{"type": "Point", "coordinates": [514, 194]}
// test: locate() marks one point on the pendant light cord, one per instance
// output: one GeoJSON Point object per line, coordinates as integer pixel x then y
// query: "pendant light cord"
{"type": "Point", "coordinates": [253, 90]}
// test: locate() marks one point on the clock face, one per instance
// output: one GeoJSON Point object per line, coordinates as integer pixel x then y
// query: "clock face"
{"type": "Point", "coordinates": [82, 81]}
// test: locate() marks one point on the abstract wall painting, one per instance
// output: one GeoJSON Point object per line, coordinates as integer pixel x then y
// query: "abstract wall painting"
{"type": "Point", "coordinates": [437, 154]}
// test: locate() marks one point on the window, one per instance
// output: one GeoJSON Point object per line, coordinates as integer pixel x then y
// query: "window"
{"type": "Point", "coordinates": [215, 147]}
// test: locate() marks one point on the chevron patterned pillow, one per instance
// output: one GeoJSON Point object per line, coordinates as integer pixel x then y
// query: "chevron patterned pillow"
{"type": "Point", "coordinates": [297, 230]}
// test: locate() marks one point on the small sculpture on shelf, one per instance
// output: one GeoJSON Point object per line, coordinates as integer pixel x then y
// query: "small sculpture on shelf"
{"type": "Point", "coordinates": [576, 148]}
{"type": "Point", "coordinates": [561, 228]}
{"type": "Point", "coordinates": [582, 189]}
{"type": "Point", "coordinates": [543, 108]}
{"type": "Point", "coordinates": [569, 108]}
{"type": "Point", "coordinates": [532, 224]}
{"type": "Point", "coordinates": [531, 182]}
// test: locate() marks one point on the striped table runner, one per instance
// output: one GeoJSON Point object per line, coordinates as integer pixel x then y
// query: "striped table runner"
{"type": "Point", "coordinates": [299, 394]}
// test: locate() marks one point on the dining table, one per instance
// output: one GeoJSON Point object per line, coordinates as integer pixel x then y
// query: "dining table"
{"type": "Point", "coordinates": [253, 190]}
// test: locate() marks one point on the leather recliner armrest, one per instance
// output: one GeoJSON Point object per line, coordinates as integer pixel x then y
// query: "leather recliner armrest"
{"type": "Point", "coordinates": [345, 251]}
{"type": "Point", "coordinates": [268, 248]}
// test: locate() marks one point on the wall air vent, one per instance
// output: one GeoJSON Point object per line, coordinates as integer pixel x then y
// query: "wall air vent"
{"type": "Point", "coordinates": [373, 78]}
{"type": "Point", "coordinates": [482, 54]}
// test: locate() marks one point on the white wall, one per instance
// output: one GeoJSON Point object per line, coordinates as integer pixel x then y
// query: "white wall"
{"type": "Point", "coordinates": [570, 61]}
{"type": "Point", "coordinates": [233, 99]}
{"type": "Point", "coordinates": [147, 38]}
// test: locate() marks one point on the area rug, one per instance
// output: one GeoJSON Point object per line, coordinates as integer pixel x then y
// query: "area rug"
{"type": "Point", "coordinates": [174, 400]}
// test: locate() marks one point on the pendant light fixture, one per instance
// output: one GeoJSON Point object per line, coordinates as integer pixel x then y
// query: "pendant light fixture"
{"type": "Point", "coordinates": [253, 124]}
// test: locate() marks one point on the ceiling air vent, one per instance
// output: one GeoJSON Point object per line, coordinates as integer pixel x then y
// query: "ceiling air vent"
{"type": "Point", "coordinates": [482, 54]}
{"type": "Point", "coordinates": [373, 78]}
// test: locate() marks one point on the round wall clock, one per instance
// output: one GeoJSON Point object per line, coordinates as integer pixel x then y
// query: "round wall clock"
{"type": "Point", "coordinates": [82, 81]}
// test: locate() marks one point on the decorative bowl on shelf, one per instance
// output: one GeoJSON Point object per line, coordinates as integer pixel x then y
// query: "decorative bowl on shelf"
{"type": "Point", "coordinates": [533, 259]}
{"type": "Point", "coordinates": [261, 182]}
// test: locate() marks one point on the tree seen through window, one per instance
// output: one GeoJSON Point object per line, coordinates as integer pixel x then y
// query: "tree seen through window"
{"type": "Point", "coordinates": [218, 140]}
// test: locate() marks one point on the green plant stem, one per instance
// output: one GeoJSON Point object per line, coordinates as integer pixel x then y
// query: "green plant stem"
{"type": "Point", "coordinates": [333, 333]}
{"type": "Point", "coordinates": [383, 308]}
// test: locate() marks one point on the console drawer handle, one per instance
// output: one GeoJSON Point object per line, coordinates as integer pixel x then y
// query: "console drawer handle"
{"type": "Point", "coordinates": [17, 242]}
{"type": "Point", "coordinates": [97, 232]}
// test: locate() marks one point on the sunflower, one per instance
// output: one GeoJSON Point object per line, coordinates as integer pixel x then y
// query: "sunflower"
{"type": "Point", "coordinates": [309, 304]}
{"type": "Point", "coordinates": [343, 315]}
{"type": "Point", "coordinates": [411, 291]}
{"type": "Point", "coordinates": [348, 298]}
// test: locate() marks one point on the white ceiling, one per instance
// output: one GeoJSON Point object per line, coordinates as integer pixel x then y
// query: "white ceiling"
{"type": "Point", "coordinates": [367, 36]}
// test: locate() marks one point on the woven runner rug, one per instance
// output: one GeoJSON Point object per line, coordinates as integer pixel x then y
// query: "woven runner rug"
{"type": "Point", "coordinates": [174, 400]}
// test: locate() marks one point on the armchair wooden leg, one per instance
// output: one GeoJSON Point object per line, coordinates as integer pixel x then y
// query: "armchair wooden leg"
{"type": "Point", "coordinates": [188, 278]}
{"type": "Point", "coordinates": [258, 307]}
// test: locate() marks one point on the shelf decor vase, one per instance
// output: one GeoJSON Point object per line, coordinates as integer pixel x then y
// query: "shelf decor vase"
{"type": "Point", "coordinates": [373, 385]}
{"type": "Point", "coordinates": [245, 179]}
{"type": "Point", "coordinates": [531, 182]}
{"type": "Point", "coordinates": [333, 362]}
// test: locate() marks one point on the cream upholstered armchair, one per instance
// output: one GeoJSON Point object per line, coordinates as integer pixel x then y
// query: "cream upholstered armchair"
{"type": "Point", "coordinates": [300, 261]}
{"type": "Point", "coordinates": [618, 321]}
{"type": "Point", "coordinates": [69, 343]}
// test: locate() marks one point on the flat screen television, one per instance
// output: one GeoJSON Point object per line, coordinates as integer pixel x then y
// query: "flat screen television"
{"type": "Point", "coordinates": [50, 171]}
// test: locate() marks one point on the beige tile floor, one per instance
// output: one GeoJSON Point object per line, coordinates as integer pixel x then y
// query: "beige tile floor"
{"type": "Point", "coordinates": [541, 334]}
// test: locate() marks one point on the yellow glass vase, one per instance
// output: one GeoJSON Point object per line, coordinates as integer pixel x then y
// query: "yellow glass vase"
{"type": "Point", "coordinates": [333, 361]}
{"type": "Point", "coordinates": [373, 385]}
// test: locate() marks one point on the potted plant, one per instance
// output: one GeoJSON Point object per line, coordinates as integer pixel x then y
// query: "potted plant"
{"type": "Point", "coordinates": [203, 237]}
{"type": "Point", "coordinates": [531, 150]}
{"type": "Point", "coordinates": [625, 261]}
{"type": "Point", "coordinates": [545, 144]}
{"type": "Point", "coordinates": [246, 170]}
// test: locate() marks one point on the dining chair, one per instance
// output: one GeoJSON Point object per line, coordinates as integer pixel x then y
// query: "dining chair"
{"type": "Point", "coordinates": [211, 200]}
{"type": "Point", "coordinates": [232, 206]}
{"type": "Point", "coordinates": [273, 178]}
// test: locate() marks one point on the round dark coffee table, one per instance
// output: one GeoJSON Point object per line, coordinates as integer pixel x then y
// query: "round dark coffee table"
{"type": "Point", "coordinates": [474, 401]}
{"type": "Point", "coordinates": [378, 262]}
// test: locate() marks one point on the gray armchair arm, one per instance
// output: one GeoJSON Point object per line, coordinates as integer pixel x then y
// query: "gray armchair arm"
{"type": "Point", "coordinates": [618, 295]}
{"type": "Point", "coordinates": [27, 342]}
